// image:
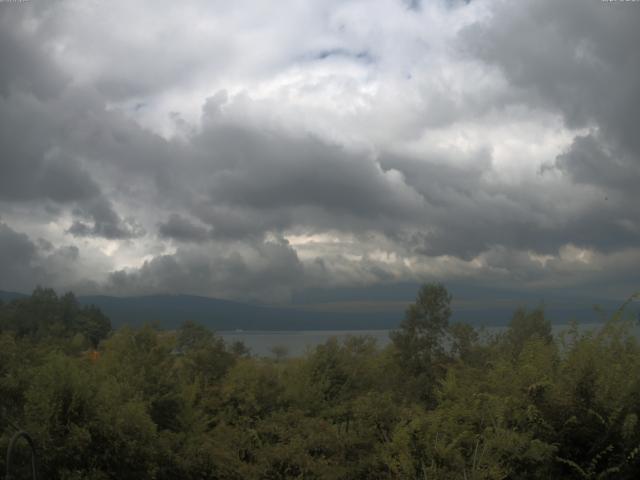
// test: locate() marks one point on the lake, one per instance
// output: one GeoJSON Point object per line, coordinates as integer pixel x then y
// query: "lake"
{"type": "Point", "coordinates": [298, 342]}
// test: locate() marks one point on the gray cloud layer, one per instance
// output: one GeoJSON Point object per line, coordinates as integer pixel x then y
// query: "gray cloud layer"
{"type": "Point", "coordinates": [502, 149]}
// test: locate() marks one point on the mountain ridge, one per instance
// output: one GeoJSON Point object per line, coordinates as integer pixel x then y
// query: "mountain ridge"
{"type": "Point", "coordinates": [171, 310]}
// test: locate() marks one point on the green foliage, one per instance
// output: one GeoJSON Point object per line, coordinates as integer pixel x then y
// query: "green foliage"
{"type": "Point", "coordinates": [525, 326]}
{"type": "Point", "coordinates": [438, 403]}
{"type": "Point", "coordinates": [419, 340]}
{"type": "Point", "coordinates": [44, 316]}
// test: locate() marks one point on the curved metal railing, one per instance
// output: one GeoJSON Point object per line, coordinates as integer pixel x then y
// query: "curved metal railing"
{"type": "Point", "coordinates": [12, 443]}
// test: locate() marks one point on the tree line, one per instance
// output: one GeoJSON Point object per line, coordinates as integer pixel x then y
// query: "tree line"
{"type": "Point", "coordinates": [441, 401]}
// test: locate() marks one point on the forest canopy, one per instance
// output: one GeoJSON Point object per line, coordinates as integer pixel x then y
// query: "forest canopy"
{"type": "Point", "coordinates": [441, 401]}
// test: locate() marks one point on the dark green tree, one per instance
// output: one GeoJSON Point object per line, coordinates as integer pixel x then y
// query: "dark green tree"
{"type": "Point", "coordinates": [525, 326]}
{"type": "Point", "coordinates": [419, 341]}
{"type": "Point", "coordinates": [93, 324]}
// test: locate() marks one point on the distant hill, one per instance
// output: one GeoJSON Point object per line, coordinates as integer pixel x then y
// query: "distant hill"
{"type": "Point", "coordinates": [8, 296]}
{"type": "Point", "coordinates": [169, 311]}
{"type": "Point", "coordinates": [355, 312]}
{"type": "Point", "coordinates": [473, 304]}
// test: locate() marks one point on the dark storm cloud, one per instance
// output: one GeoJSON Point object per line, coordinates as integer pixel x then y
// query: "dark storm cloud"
{"type": "Point", "coordinates": [242, 181]}
{"type": "Point", "coordinates": [589, 161]}
{"type": "Point", "coordinates": [465, 214]}
{"type": "Point", "coordinates": [42, 146]}
{"type": "Point", "coordinates": [578, 58]}
{"type": "Point", "coordinates": [41, 163]}
{"type": "Point", "coordinates": [182, 229]}
{"type": "Point", "coordinates": [16, 252]}
{"type": "Point", "coordinates": [26, 263]}
{"type": "Point", "coordinates": [25, 64]}
{"type": "Point", "coordinates": [262, 270]}
{"type": "Point", "coordinates": [230, 222]}
{"type": "Point", "coordinates": [34, 164]}
{"type": "Point", "coordinates": [105, 222]}
{"type": "Point", "coordinates": [274, 170]}
{"type": "Point", "coordinates": [222, 192]}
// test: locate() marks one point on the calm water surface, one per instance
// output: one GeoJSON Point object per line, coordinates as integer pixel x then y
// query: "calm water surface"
{"type": "Point", "coordinates": [298, 343]}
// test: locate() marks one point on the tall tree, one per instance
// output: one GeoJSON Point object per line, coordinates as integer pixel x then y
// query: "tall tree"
{"type": "Point", "coordinates": [419, 340]}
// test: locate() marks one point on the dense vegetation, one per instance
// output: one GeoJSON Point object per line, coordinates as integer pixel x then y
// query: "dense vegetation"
{"type": "Point", "coordinates": [439, 403]}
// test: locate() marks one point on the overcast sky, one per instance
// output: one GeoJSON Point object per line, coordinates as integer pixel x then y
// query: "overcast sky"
{"type": "Point", "coordinates": [250, 149]}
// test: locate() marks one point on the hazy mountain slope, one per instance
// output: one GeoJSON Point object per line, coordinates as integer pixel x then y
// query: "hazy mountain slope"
{"type": "Point", "coordinates": [8, 296]}
{"type": "Point", "coordinates": [355, 310]}
{"type": "Point", "coordinates": [171, 310]}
